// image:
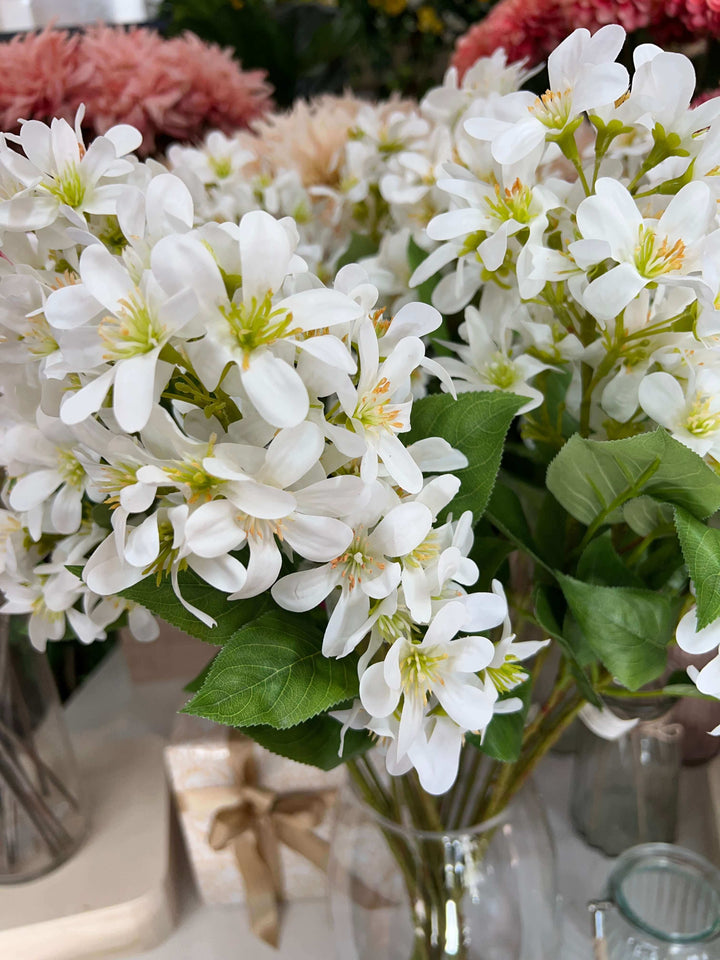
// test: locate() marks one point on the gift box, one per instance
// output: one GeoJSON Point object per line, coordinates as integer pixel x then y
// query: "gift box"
{"type": "Point", "coordinates": [256, 825]}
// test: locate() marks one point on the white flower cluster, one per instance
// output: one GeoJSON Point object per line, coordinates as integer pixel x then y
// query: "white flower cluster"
{"type": "Point", "coordinates": [577, 231]}
{"type": "Point", "coordinates": [584, 223]}
{"type": "Point", "coordinates": [595, 243]}
{"type": "Point", "coordinates": [191, 396]}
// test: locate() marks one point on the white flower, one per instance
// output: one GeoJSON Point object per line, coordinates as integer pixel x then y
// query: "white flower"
{"type": "Point", "coordinates": [130, 324]}
{"type": "Point", "coordinates": [236, 282]}
{"type": "Point", "coordinates": [488, 362]}
{"type": "Point", "coordinates": [582, 75]}
{"type": "Point", "coordinates": [662, 91]}
{"type": "Point", "coordinates": [504, 671]}
{"type": "Point", "coordinates": [692, 414]}
{"type": "Point", "coordinates": [269, 502]}
{"type": "Point", "coordinates": [378, 409]}
{"type": "Point", "coordinates": [51, 476]}
{"type": "Point", "coordinates": [60, 176]}
{"type": "Point", "coordinates": [365, 570]}
{"type": "Point", "coordinates": [496, 213]}
{"type": "Point", "coordinates": [666, 250]}
{"type": "Point", "coordinates": [438, 666]}
{"type": "Point", "coordinates": [447, 103]}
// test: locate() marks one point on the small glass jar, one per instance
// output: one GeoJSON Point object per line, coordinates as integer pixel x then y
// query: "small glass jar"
{"type": "Point", "coordinates": [661, 903]}
{"type": "Point", "coordinates": [42, 819]}
{"type": "Point", "coordinates": [625, 791]}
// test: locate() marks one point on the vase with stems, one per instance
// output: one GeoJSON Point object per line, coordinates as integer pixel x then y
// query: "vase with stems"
{"type": "Point", "coordinates": [466, 876]}
{"type": "Point", "coordinates": [42, 817]}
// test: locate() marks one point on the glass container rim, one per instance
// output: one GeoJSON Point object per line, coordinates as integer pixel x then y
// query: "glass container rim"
{"type": "Point", "coordinates": [671, 853]}
{"type": "Point", "coordinates": [478, 829]}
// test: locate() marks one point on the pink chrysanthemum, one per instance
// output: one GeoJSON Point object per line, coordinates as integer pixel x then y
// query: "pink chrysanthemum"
{"type": "Point", "coordinates": [176, 88]}
{"type": "Point", "coordinates": [40, 75]}
{"type": "Point", "coordinates": [700, 18]}
{"type": "Point", "coordinates": [630, 14]}
{"type": "Point", "coordinates": [526, 29]}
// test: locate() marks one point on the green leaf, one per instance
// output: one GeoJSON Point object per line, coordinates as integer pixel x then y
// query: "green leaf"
{"type": "Point", "coordinates": [627, 628]}
{"type": "Point", "coordinates": [475, 423]}
{"type": "Point", "coordinates": [551, 531]}
{"type": "Point", "coordinates": [229, 614]}
{"type": "Point", "coordinates": [594, 479]}
{"type": "Point", "coordinates": [489, 554]}
{"type": "Point", "coordinates": [645, 515]}
{"type": "Point", "coordinates": [194, 685]}
{"type": "Point", "coordinates": [505, 511]}
{"type": "Point", "coordinates": [503, 737]}
{"type": "Point", "coordinates": [272, 671]}
{"type": "Point", "coordinates": [601, 563]}
{"type": "Point", "coordinates": [577, 656]}
{"type": "Point", "coordinates": [315, 742]}
{"type": "Point", "coordinates": [701, 550]}
{"type": "Point", "coordinates": [361, 245]}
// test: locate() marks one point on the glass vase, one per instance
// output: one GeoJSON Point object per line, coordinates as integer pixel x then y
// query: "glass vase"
{"type": "Point", "coordinates": [42, 819]}
{"type": "Point", "coordinates": [625, 791]}
{"type": "Point", "coordinates": [486, 892]}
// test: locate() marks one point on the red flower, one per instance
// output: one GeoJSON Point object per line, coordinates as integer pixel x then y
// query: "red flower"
{"type": "Point", "coordinates": [526, 29]}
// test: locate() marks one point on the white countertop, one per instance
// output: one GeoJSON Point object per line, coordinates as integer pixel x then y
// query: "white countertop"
{"type": "Point", "coordinates": [221, 933]}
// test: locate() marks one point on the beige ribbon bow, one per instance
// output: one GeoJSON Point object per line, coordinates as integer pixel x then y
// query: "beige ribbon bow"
{"type": "Point", "coordinates": [254, 821]}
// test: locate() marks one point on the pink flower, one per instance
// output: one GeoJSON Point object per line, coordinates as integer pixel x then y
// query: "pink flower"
{"type": "Point", "coordinates": [526, 29]}
{"type": "Point", "coordinates": [700, 18]}
{"type": "Point", "coordinates": [177, 88]}
{"type": "Point", "coordinates": [39, 77]}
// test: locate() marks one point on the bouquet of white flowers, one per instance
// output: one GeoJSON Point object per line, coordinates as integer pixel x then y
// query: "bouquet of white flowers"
{"type": "Point", "coordinates": [211, 414]}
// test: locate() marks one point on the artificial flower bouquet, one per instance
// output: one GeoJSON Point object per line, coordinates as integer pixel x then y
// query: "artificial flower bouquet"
{"type": "Point", "coordinates": [210, 413]}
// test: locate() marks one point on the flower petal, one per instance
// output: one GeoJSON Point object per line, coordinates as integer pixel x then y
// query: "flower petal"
{"type": "Point", "coordinates": [66, 512]}
{"type": "Point", "coordinates": [225, 573]}
{"type": "Point", "coordinates": [34, 488]}
{"type": "Point", "coordinates": [292, 453]}
{"type": "Point", "coordinates": [275, 389]}
{"type": "Point", "coordinates": [401, 530]}
{"type": "Point", "coordinates": [317, 538]}
{"type": "Point", "coordinates": [211, 531]}
{"type": "Point", "coordinates": [377, 697]}
{"type": "Point", "coordinates": [469, 706]}
{"type": "Point", "coordinates": [695, 641]}
{"type": "Point", "coordinates": [134, 390]}
{"type": "Point", "coordinates": [262, 569]}
{"type": "Point", "coordinates": [305, 589]}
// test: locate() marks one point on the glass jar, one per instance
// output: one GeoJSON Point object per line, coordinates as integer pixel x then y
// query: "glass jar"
{"type": "Point", "coordinates": [480, 893]}
{"type": "Point", "coordinates": [625, 791]}
{"type": "Point", "coordinates": [42, 820]}
{"type": "Point", "coordinates": [662, 903]}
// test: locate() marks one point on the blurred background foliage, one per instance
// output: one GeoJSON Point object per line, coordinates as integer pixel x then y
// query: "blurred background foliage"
{"type": "Point", "coordinates": [375, 47]}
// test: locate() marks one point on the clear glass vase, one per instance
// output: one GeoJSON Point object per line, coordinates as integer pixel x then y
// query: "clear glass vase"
{"type": "Point", "coordinates": [42, 819]}
{"type": "Point", "coordinates": [625, 791]}
{"type": "Point", "coordinates": [486, 892]}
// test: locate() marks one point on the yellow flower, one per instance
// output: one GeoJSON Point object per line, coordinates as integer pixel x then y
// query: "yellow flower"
{"type": "Point", "coordinates": [392, 7]}
{"type": "Point", "coordinates": [428, 21]}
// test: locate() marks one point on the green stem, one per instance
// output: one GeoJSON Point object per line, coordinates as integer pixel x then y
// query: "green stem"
{"type": "Point", "coordinates": [628, 494]}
